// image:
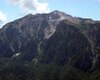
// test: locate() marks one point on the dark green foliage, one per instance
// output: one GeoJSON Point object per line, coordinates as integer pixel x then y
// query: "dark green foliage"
{"type": "Point", "coordinates": [74, 74]}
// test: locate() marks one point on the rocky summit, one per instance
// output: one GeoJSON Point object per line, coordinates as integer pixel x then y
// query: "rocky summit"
{"type": "Point", "coordinates": [50, 46]}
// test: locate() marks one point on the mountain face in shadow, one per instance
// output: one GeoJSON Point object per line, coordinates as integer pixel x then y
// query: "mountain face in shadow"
{"type": "Point", "coordinates": [53, 46]}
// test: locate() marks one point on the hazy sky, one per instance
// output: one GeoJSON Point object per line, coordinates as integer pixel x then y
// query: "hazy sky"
{"type": "Point", "coordinates": [14, 9]}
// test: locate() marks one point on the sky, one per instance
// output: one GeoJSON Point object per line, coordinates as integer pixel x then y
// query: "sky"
{"type": "Point", "coordinates": [13, 9]}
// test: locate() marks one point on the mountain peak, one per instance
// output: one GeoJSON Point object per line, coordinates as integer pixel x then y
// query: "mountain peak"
{"type": "Point", "coordinates": [29, 15]}
{"type": "Point", "coordinates": [57, 42]}
{"type": "Point", "coordinates": [56, 11]}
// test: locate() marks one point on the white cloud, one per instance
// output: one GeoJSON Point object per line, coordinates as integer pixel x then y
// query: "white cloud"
{"type": "Point", "coordinates": [13, 1]}
{"type": "Point", "coordinates": [31, 6]}
{"type": "Point", "coordinates": [3, 18]}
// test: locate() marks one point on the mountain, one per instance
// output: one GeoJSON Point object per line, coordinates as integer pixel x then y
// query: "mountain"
{"type": "Point", "coordinates": [53, 46]}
